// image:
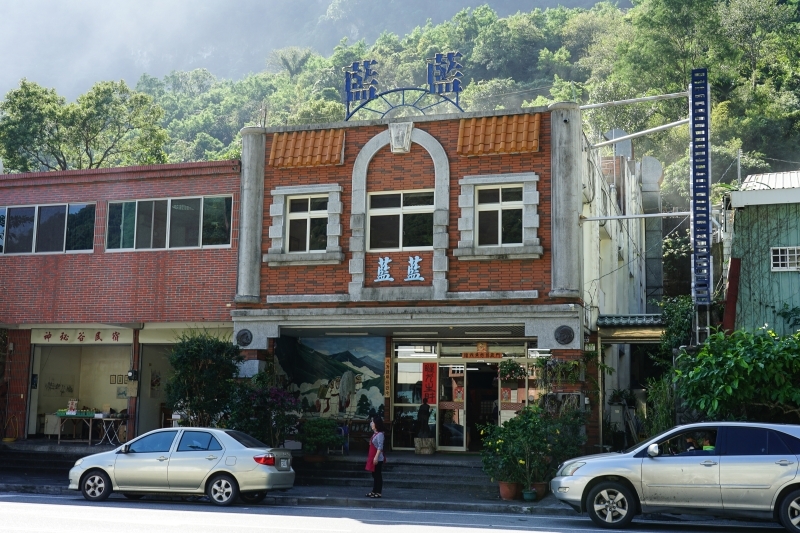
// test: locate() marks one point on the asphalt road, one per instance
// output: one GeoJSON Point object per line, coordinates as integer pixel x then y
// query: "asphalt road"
{"type": "Point", "coordinates": [68, 514]}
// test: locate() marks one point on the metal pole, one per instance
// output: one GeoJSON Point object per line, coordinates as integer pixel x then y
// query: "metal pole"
{"type": "Point", "coordinates": [641, 133]}
{"type": "Point", "coordinates": [648, 215]}
{"type": "Point", "coordinates": [601, 393]}
{"type": "Point", "coordinates": [683, 94]}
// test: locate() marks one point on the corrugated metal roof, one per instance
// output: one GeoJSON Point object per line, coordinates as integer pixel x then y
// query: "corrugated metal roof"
{"type": "Point", "coordinates": [773, 180]}
{"type": "Point", "coordinates": [307, 148]}
{"type": "Point", "coordinates": [499, 135]}
{"type": "Point", "coordinates": [630, 320]}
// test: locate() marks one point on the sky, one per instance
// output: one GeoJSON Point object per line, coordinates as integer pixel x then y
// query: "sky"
{"type": "Point", "coordinates": [71, 44]}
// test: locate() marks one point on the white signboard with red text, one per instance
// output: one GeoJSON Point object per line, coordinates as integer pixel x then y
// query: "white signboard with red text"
{"type": "Point", "coordinates": [81, 336]}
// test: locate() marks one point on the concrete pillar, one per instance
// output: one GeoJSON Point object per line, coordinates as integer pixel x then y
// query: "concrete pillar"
{"type": "Point", "coordinates": [251, 215]}
{"type": "Point", "coordinates": [567, 167]}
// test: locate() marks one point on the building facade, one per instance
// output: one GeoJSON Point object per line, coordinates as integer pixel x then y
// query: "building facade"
{"type": "Point", "coordinates": [763, 282]}
{"type": "Point", "coordinates": [101, 271]}
{"type": "Point", "coordinates": [381, 265]}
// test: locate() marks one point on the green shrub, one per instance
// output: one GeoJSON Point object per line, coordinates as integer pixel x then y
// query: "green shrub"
{"type": "Point", "coordinates": [319, 434]}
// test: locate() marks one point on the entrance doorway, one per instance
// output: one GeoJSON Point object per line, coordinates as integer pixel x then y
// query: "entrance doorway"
{"type": "Point", "coordinates": [482, 407]}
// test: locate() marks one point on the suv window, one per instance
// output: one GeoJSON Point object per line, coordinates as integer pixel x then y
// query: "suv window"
{"type": "Point", "coordinates": [196, 441]}
{"type": "Point", "coordinates": [698, 441]}
{"type": "Point", "coordinates": [245, 440]}
{"type": "Point", "coordinates": [746, 441]}
{"type": "Point", "coordinates": [158, 442]}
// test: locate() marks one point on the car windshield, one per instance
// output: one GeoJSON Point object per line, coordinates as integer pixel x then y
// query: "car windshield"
{"type": "Point", "coordinates": [632, 448]}
{"type": "Point", "coordinates": [245, 440]}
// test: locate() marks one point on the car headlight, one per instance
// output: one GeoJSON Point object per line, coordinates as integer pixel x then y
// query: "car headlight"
{"type": "Point", "coordinates": [570, 469]}
{"type": "Point", "coordinates": [79, 461]}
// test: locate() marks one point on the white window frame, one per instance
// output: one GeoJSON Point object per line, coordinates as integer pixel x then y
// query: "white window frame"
{"type": "Point", "coordinates": [36, 228]}
{"type": "Point", "coordinates": [169, 222]}
{"type": "Point", "coordinates": [411, 210]}
{"type": "Point", "coordinates": [307, 216]}
{"type": "Point", "coordinates": [791, 255]}
{"type": "Point", "coordinates": [278, 255]}
{"type": "Point", "coordinates": [468, 249]}
{"type": "Point", "coordinates": [498, 208]}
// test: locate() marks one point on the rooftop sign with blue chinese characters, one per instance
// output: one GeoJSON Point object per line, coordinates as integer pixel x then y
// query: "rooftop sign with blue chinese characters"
{"type": "Point", "coordinates": [361, 88]}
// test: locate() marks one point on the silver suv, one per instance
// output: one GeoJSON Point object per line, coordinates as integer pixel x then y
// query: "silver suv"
{"type": "Point", "coordinates": [722, 468]}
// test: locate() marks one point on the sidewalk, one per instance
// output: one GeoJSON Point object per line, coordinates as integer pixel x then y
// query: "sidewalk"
{"type": "Point", "coordinates": [327, 496]}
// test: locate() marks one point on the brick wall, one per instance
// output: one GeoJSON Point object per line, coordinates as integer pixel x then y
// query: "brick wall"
{"type": "Point", "coordinates": [394, 172]}
{"type": "Point", "coordinates": [126, 286]}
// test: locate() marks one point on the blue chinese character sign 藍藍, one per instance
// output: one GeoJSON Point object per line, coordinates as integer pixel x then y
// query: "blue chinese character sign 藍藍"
{"type": "Point", "coordinates": [360, 81]}
{"type": "Point", "coordinates": [444, 74]}
{"type": "Point", "coordinates": [361, 89]}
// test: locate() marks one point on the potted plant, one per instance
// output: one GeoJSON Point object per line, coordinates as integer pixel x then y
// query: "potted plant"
{"type": "Point", "coordinates": [317, 435]}
{"type": "Point", "coordinates": [527, 449]}
{"type": "Point", "coordinates": [500, 460]}
{"type": "Point", "coordinates": [510, 370]}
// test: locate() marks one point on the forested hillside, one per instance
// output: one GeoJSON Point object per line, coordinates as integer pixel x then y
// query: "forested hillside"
{"type": "Point", "coordinates": [532, 58]}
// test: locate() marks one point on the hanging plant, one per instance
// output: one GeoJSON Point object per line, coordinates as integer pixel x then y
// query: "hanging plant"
{"type": "Point", "coordinates": [511, 370]}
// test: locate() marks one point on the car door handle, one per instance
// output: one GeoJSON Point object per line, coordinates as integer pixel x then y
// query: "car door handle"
{"type": "Point", "coordinates": [708, 463]}
{"type": "Point", "coordinates": [784, 462]}
{"type": "Point", "coordinates": [211, 457]}
{"type": "Point", "coordinates": [162, 458]}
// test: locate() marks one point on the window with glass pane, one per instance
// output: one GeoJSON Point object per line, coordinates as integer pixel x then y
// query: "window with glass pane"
{"type": "Point", "coordinates": [50, 228]}
{"type": "Point", "coordinates": [401, 220]}
{"type": "Point", "coordinates": [408, 385]}
{"type": "Point", "coordinates": [19, 230]}
{"type": "Point", "coordinates": [151, 224]}
{"type": "Point", "coordinates": [499, 218]}
{"type": "Point", "coordinates": [307, 228]}
{"type": "Point", "coordinates": [80, 227]}
{"type": "Point", "coordinates": [2, 228]}
{"type": "Point", "coordinates": [217, 221]}
{"type": "Point", "coordinates": [121, 225]}
{"type": "Point", "coordinates": [184, 223]}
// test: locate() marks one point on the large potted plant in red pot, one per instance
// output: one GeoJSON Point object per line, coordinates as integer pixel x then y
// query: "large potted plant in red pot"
{"type": "Point", "coordinates": [500, 461]}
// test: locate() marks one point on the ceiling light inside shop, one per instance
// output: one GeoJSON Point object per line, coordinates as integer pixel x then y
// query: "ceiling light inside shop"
{"type": "Point", "coordinates": [488, 333]}
{"type": "Point", "coordinates": [346, 334]}
{"type": "Point", "coordinates": [401, 333]}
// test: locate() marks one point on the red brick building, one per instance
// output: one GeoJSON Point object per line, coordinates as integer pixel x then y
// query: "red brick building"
{"type": "Point", "coordinates": [379, 263]}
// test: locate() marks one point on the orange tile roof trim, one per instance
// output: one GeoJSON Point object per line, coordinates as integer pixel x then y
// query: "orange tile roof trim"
{"type": "Point", "coordinates": [307, 149]}
{"type": "Point", "coordinates": [511, 134]}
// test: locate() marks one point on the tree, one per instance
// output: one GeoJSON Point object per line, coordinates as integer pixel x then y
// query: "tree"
{"type": "Point", "coordinates": [750, 23]}
{"type": "Point", "coordinates": [108, 126]}
{"type": "Point", "coordinates": [743, 375]}
{"type": "Point", "coordinates": [264, 411]}
{"type": "Point", "coordinates": [204, 381]}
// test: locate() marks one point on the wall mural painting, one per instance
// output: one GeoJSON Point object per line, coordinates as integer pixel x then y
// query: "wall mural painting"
{"type": "Point", "coordinates": [338, 378]}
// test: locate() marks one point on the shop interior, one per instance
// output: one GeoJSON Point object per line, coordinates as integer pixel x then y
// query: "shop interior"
{"type": "Point", "coordinates": [95, 376]}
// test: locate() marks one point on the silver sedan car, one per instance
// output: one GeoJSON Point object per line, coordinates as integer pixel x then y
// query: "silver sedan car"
{"type": "Point", "coordinates": [220, 463]}
{"type": "Point", "coordinates": [719, 468]}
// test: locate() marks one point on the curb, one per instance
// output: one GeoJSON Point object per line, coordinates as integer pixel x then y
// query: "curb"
{"type": "Point", "coordinates": [363, 503]}
{"type": "Point", "coordinates": [421, 505]}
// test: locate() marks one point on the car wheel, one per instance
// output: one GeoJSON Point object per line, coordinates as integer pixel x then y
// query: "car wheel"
{"type": "Point", "coordinates": [789, 512]}
{"type": "Point", "coordinates": [133, 496]}
{"type": "Point", "coordinates": [253, 497]}
{"type": "Point", "coordinates": [610, 505]}
{"type": "Point", "coordinates": [222, 490]}
{"type": "Point", "coordinates": [96, 486]}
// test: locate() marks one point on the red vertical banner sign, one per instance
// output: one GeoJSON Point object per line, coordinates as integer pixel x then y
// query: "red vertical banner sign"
{"type": "Point", "coordinates": [429, 382]}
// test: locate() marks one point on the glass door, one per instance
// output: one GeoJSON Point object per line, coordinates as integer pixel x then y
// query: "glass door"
{"type": "Point", "coordinates": [452, 417]}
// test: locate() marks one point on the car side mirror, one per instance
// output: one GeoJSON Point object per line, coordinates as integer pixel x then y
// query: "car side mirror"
{"type": "Point", "coordinates": [125, 448]}
{"type": "Point", "coordinates": [652, 450]}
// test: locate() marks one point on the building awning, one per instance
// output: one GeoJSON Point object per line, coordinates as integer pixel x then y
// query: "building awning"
{"type": "Point", "coordinates": [631, 329]}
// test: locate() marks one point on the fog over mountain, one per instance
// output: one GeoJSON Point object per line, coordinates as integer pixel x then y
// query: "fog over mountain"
{"type": "Point", "coordinates": [70, 45]}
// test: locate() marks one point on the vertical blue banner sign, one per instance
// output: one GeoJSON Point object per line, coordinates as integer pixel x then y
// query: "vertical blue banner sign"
{"type": "Point", "coordinates": [700, 180]}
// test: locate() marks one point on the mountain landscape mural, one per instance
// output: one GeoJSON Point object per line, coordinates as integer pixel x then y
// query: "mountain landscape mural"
{"type": "Point", "coordinates": [336, 378]}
